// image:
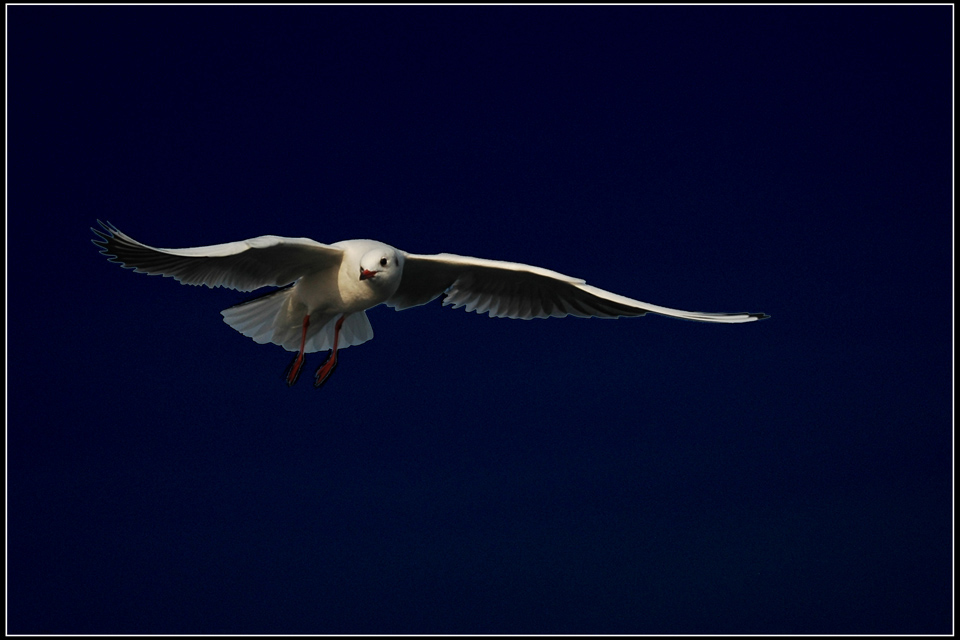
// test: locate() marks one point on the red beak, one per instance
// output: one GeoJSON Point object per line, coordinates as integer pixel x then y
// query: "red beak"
{"type": "Point", "coordinates": [366, 273]}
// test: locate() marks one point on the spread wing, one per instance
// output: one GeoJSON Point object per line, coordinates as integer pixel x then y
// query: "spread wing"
{"type": "Point", "coordinates": [514, 290]}
{"type": "Point", "coordinates": [244, 265]}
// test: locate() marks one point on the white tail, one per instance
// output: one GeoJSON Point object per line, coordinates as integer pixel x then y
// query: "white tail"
{"type": "Point", "coordinates": [277, 318]}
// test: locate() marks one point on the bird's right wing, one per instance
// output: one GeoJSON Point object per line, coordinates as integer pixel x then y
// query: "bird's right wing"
{"type": "Point", "coordinates": [244, 265]}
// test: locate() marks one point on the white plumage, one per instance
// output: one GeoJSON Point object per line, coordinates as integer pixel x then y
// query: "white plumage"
{"type": "Point", "coordinates": [331, 285]}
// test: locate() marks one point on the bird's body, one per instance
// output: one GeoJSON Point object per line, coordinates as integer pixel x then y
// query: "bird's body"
{"type": "Point", "coordinates": [331, 286]}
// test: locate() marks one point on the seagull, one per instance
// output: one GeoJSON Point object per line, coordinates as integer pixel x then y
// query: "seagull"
{"type": "Point", "coordinates": [326, 288]}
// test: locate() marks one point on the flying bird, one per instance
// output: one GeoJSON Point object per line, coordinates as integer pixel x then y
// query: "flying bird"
{"type": "Point", "coordinates": [326, 288]}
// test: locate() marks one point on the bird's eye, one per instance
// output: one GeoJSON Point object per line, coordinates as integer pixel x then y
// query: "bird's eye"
{"type": "Point", "coordinates": [383, 262]}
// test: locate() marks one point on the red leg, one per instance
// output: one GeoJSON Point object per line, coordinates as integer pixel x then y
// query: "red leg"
{"type": "Point", "coordinates": [331, 362]}
{"type": "Point", "coordinates": [292, 373]}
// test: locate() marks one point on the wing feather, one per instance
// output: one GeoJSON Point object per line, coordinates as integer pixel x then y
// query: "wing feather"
{"type": "Point", "coordinates": [515, 290]}
{"type": "Point", "coordinates": [245, 265]}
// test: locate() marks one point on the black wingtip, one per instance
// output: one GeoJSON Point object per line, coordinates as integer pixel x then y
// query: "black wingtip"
{"type": "Point", "coordinates": [104, 238]}
{"type": "Point", "coordinates": [109, 228]}
{"type": "Point", "coordinates": [759, 316]}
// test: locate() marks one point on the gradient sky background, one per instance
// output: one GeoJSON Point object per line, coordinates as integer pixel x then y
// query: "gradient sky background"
{"type": "Point", "coordinates": [462, 474]}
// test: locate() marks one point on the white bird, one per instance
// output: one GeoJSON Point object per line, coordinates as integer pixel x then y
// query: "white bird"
{"type": "Point", "coordinates": [332, 285]}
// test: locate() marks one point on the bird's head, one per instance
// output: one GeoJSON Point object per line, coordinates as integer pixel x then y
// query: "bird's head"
{"type": "Point", "coordinates": [381, 266]}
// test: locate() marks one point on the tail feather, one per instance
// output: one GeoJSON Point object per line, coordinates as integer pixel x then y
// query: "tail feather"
{"type": "Point", "coordinates": [277, 318]}
{"type": "Point", "coordinates": [355, 330]}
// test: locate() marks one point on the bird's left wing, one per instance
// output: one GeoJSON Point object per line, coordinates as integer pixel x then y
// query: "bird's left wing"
{"type": "Point", "coordinates": [244, 265]}
{"type": "Point", "coordinates": [514, 290]}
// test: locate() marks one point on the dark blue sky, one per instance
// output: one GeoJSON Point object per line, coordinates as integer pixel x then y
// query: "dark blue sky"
{"type": "Point", "coordinates": [462, 474]}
